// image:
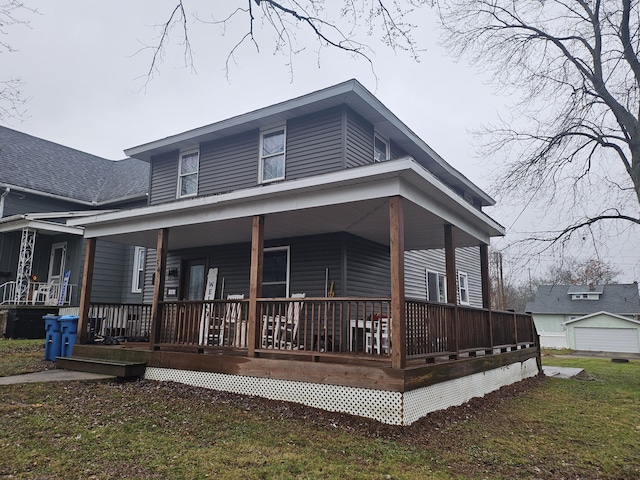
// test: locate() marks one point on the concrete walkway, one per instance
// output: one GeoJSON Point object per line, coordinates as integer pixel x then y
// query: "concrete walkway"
{"type": "Point", "coordinates": [57, 375]}
{"type": "Point", "coordinates": [561, 372]}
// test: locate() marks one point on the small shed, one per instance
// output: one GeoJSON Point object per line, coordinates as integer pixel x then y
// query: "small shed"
{"type": "Point", "coordinates": [603, 332]}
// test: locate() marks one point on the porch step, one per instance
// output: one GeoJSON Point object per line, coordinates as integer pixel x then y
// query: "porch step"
{"type": "Point", "coordinates": [105, 367]}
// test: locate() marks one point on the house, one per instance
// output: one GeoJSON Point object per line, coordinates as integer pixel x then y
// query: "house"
{"type": "Point", "coordinates": [42, 185]}
{"type": "Point", "coordinates": [314, 251]}
{"type": "Point", "coordinates": [588, 317]}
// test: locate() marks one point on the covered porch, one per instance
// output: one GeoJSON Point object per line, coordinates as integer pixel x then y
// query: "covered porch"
{"type": "Point", "coordinates": [390, 345]}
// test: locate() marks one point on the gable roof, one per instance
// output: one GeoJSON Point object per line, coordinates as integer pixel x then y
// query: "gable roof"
{"type": "Point", "coordinates": [619, 299]}
{"type": "Point", "coordinates": [31, 164]}
{"type": "Point", "coordinates": [592, 315]}
{"type": "Point", "coordinates": [350, 93]}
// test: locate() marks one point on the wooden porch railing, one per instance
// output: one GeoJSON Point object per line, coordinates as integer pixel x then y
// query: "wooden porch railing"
{"type": "Point", "coordinates": [321, 326]}
{"type": "Point", "coordinates": [112, 321]}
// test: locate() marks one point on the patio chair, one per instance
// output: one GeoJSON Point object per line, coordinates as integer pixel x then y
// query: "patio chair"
{"type": "Point", "coordinates": [42, 293]}
{"type": "Point", "coordinates": [288, 329]}
{"type": "Point", "coordinates": [378, 337]}
{"type": "Point", "coordinates": [232, 334]}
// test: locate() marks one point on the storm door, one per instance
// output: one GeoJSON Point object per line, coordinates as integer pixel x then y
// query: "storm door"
{"type": "Point", "coordinates": [57, 262]}
{"type": "Point", "coordinates": [193, 280]}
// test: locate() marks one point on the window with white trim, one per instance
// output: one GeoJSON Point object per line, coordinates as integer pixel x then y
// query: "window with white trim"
{"type": "Point", "coordinates": [188, 167]}
{"type": "Point", "coordinates": [380, 149]}
{"type": "Point", "coordinates": [436, 286]}
{"type": "Point", "coordinates": [137, 279]}
{"type": "Point", "coordinates": [272, 154]}
{"type": "Point", "coordinates": [275, 272]}
{"type": "Point", "coordinates": [463, 288]}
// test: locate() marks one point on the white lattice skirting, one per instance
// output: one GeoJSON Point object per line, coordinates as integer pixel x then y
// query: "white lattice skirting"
{"type": "Point", "coordinates": [394, 408]}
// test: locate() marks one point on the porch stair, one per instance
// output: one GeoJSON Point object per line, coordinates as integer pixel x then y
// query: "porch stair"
{"type": "Point", "coordinates": [121, 369]}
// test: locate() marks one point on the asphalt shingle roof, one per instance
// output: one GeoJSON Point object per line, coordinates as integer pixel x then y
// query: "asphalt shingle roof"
{"type": "Point", "coordinates": [31, 162]}
{"type": "Point", "coordinates": [620, 299]}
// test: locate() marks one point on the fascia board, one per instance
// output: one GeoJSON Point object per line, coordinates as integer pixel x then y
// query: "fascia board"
{"type": "Point", "coordinates": [40, 226]}
{"type": "Point", "coordinates": [369, 182]}
{"type": "Point", "coordinates": [591, 315]}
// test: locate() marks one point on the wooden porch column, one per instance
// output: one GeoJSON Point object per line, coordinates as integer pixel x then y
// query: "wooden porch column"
{"type": "Point", "coordinates": [486, 290]}
{"type": "Point", "coordinates": [484, 273]}
{"type": "Point", "coordinates": [452, 281]}
{"type": "Point", "coordinates": [255, 285]}
{"type": "Point", "coordinates": [158, 286]}
{"type": "Point", "coordinates": [398, 320]}
{"type": "Point", "coordinates": [87, 283]}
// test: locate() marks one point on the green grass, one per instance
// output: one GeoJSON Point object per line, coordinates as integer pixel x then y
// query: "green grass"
{"type": "Point", "coordinates": [20, 356]}
{"type": "Point", "coordinates": [559, 429]}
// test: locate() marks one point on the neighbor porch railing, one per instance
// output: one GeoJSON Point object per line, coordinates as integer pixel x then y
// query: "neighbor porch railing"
{"type": "Point", "coordinates": [37, 293]}
{"type": "Point", "coordinates": [321, 326]}
{"type": "Point", "coordinates": [114, 322]}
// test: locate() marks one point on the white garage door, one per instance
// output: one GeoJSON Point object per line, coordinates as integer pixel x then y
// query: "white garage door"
{"type": "Point", "coordinates": [607, 339]}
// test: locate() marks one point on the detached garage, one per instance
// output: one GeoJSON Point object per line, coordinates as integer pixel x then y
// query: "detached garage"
{"type": "Point", "coordinates": [604, 332]}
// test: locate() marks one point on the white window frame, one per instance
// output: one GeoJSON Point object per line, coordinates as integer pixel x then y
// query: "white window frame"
{"type": "Point", "coordinates": [287, 248]}
{"type": "Point", "coordinates": [441, 280]}
{"type": "Point", "coordinates": [185, 153]}
{"type": "Point", "coordinates": [387, 153]}
{"type": "Point", "coordinates": [264, 132]}
{"type": "Point", "coordinates": [463, 290]}
{"type": "Point", "coordinates": [137, 280]}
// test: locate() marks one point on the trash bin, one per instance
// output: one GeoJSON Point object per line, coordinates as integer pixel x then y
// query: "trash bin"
{"type": "Point", "coordinates": [68, 334]}
{"type": "Point", "coordinates": [52, 343]}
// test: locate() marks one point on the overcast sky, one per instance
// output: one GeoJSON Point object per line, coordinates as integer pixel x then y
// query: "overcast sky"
{"type": "Point", "coordinates": [84, 68]}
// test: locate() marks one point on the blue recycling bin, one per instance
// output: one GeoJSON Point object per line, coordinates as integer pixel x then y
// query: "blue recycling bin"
{"type": "Point", "coordinates": [68, 334]}
{"type": "Point", "coordinates": [52, 337]}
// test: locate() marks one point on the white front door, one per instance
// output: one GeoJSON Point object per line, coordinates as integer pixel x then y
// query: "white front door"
{"type": "Point", "coordinates": [57, 262]}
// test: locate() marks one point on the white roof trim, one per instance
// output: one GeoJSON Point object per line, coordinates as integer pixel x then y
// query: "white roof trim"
{"type": "Point", "coordinates": [591, 315]}
{"type": "Point", "coordinates": [17, 223]}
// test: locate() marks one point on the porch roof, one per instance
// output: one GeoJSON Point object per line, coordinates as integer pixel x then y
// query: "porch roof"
{"type": "Point", "coordinates": [353, 200]}
{"type": "Point", "coordinates": [42, 223]}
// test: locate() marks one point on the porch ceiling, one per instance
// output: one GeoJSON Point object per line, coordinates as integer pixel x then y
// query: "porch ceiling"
{"type": "Point", "coordinates": [347, 201]}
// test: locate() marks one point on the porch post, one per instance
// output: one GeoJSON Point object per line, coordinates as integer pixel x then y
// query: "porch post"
{"type": "Point", "coordinates": [87, 284]}
{"type": "Point", "coordinates": [255, 285]}
{"type": "Point", "coordinates": [158, 286]}
{"type": "Point", "coordinates": [486, 290]}
{"type": "Point", "coordinates": [396, 244]}
{"type": "Point", "coordinates": [452, 281]}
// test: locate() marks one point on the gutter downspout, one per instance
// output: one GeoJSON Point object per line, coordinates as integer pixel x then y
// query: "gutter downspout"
{"type": "Point", "coordinates": [2, 197]}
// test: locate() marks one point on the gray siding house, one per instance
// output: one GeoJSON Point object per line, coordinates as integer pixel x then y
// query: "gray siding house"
{"type": "Point", "coordinates": [314, 250]}
{"type": "Point", "coordinates": [42, 185]}
{"type": "Point", "coordinates": [588, 317]}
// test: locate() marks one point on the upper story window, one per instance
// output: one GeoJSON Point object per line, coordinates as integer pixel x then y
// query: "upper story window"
{"type": "Point", "coordinates": [436, 287]}
{"type": "Point", "coordinates": [380, 149]}
{"type": "Point", "coordinates": [463, 288]}
{"type": "Point", "coordinates": [137, 279]}
{"type": "Point", "coordinates": [188, 173]}
{"type": "Point", "coordinates": [272, 154]}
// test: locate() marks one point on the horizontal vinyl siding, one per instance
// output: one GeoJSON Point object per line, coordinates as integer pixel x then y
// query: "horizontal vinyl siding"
{"type": "Point", "coordinates": [396, 151]}
{"type": "Point", "coordinates": [310, 259]}
{"type": "Point", "coordinates": [17, 203]}
{"type": "Point", "coordinates": [368, 268]}
{"type": "Point", "coordinates": [149, 268]}
{"type": "Point", "coordinates": [359, 144]}
{"type": "Point", "coordinates": [417, 261]}
{"type": "Point", "coordinates": [314, 144]}
{"type": "Point", "coordinates": [164, 178]}
{"type": "Point", "coordinates": [108, 272]}
{"type": "Point", "coordinates": [229, 164]}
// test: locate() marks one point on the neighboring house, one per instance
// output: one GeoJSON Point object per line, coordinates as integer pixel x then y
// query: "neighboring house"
{"type": "Point", "coordinates": [42, 185]}
{"type": "Point", "coordinates": [588, 317]}
{"type": "Point", "coordinates": [315, 251]}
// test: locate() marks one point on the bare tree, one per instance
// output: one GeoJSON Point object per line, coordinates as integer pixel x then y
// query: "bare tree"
{"type": "Point", "coordinates": [343, 26]}
{"type": "Point", "coordinates": [12, 100]}
{"type": "Point", "coordinates": [574, 135]}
